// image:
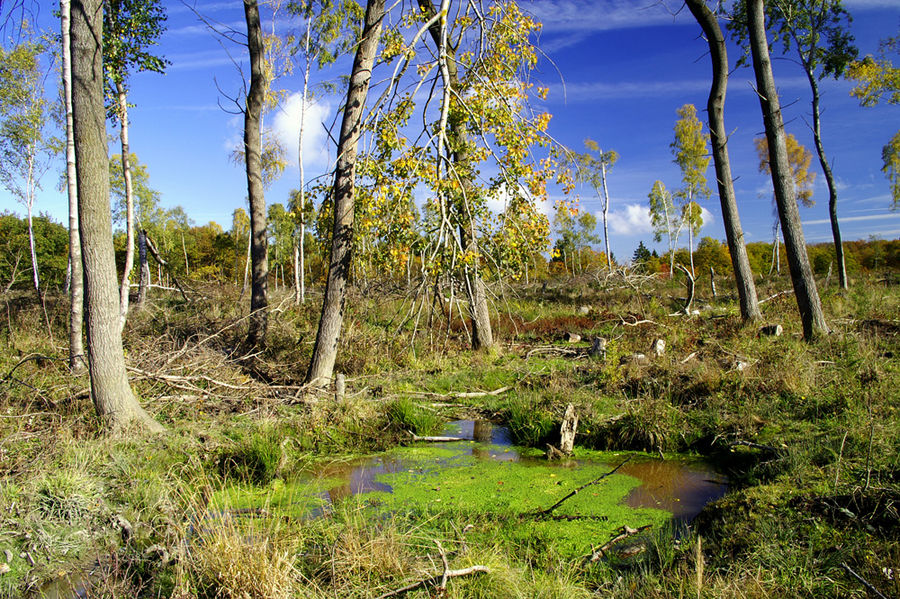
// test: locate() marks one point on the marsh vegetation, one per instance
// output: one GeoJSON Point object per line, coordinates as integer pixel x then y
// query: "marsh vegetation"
{"type": "Point", "coordinates": [806, 434]}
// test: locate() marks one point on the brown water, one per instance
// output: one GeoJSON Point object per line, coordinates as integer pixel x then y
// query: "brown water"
{"type": "Point", "coordinates": [682, 486]}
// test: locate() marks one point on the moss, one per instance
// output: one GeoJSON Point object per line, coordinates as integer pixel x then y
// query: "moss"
{"type": "Point", "coordinates": [514, 492]}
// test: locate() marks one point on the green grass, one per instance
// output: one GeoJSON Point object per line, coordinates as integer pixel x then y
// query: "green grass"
{"type": "Point", "coordinates": [826, 493]}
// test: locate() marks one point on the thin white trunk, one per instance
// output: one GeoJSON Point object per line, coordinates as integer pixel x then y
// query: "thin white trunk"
{"type": "Point", "coordinates": [300, 280]}
{"type": "Point", "coordinates": [605, 210]}
{"type": "Point", "coordinates": [125, 288]}
{"type": "Point", "coordinates": [187, 270]}
{"type": "Point", "coordinates": [29, 204]}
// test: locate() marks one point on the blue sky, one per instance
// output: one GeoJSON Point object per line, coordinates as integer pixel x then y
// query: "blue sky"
{"type": "Point", "coordinates": [617, 71]}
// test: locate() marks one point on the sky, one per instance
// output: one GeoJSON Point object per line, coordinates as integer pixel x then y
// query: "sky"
{"type": "Point", "coordinates": [617, 71]}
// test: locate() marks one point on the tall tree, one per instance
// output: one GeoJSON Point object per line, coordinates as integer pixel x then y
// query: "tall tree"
{"type": "Point", "coordinates": [130, 28]}
{"type": "Point", "coordinates": [25, 146]}
{"type": "Point", "coordinates": [321, 366]}
{"type": "Point", "coordinates": [591, 167]}
{"type": "Point", "coordinates": [664, 220]}
{"type": "Point", "coordinates": [325, 36]}
{"type": "Point", "coordinates": [817, 32]}
{"type": "Point", "coordinates": [256, 334]}
{"type": "Point", "coordinates": [113, 399]}
{"type": "Point", "coordinates": [692, 157]}
{"type": "Point", "coordinates": [76, 277]}
{"type": "Point", "coordinates": [715, 108]}
{"type": "Point", "coordinates": [807, 295]}
{"type": "Point", "coordinates": [875, 79]}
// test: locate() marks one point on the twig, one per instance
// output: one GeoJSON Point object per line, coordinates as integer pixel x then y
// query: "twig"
{"type": "Point", "coordinates": [771, 297]}
{"type": "Point", "coordinates": [862, 580]}
{"type": "Point", "coordinates": [587, 484]}
{"type": "Point", "coordinates": [439, 581]}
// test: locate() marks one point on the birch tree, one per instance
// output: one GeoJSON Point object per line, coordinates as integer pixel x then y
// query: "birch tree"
{"type": "Point", "coordinates": [76, 277]}
{"type": "Point", "coordinates": [591, 167]}
{"type": "Point", "coordinates": [692, 157]}
{"type": "Point", "coordinates": [130, 28]}
{"type": "Point", "coordinates": [26, 148]}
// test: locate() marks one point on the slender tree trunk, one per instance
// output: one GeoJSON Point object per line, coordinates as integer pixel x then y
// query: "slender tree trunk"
{"type": "Point", "coordinates": [321, 366]}
{"type": "Point", "coordinates": [807, 295]}
{"type": "Point", "coordinates": [715, 106]}
{"type": "Point", "coordinates": [605, 211]}
{"type": "Point", "coordinates": [252, 152]}
{"type": "Point", "coordinates": [296, 249]}
{"type": "Point", "coordinates": [482, 334]}
{"type": "Point", "coordinates": [29, 205]}
{"type": "Point", "coordinates": [144, 274]}
{"type": "Point", "coordinates": [300, 281]}
{"type": "Point", "coordinates": [247, 264]}
{"type": "Point", "coordinates": [125, 289]}
{"type": "Point", "coordinates": [829, 180]}
{"type": "Point", "coordinates": [113, 399]}
{"type": "Point", "coordinates": [187, 268]}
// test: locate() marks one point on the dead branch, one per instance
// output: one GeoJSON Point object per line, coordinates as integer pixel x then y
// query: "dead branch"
{"type": "Point", "coordinates": [463, 395]}
{"type": "Point", "coordinates": [435, 439]}
{"type": "Point", "coordinates": [439, 582]}
{"type": "Point", "coordinates": [752, 445]}
{"type": "Point", "coordinates": [863, 581]}
{"type": "Point", "coordinates": [626, 531]}
{"type": "Point", "coordinates": [771, 297]}
{"type": "Point", "coordinates": [690, 288]}
{"type": "Point", "coordinates": [585, 485]}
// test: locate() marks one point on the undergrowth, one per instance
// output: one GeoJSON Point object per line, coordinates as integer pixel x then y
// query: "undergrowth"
{"type": "Point", "coordinates": [808, 434]}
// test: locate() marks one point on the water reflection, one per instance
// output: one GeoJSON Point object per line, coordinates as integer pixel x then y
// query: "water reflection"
{"type": "Point", "coordinates": [681, 487]}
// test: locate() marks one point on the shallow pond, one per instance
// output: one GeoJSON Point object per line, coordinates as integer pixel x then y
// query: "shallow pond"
{"type": "Point", "coordinates": [483, 476]}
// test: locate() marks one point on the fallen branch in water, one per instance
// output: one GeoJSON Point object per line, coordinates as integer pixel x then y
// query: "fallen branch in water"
{"type": "Point", "coordinates": [585, 485]}
{"type": "Point", "coordinates": [415, 437]}
{"type": "Point", "coordinates": [439, 582]}
{"type": "Point", "coordinates": [627, 531]}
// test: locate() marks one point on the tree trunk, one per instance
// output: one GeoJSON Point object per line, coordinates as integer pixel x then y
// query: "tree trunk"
{"type": "Point", "coordinates": [125, 289]}
{"type": "Point", "coordinates": [187, 268]}
{"type": "Point", "coordinates": [829, 180]}
{"type": "Point", "coordinates": [482, 334]}
{"type": "Point", "coordinates": [715, 106]}
{"type": "Point", "coordinates": [605, 211]}
{"type": "Point", "coordinates": [29, 204]}
{"type": "Point", "coordinates": [804, 284]}
{"type": "Point", "coordinates": [144, 274]}
{"type": "Point", "coordinates": [113, 399]}
{"type": "Point", "coordinates": [300, 281]}
{"type": "Point", "coordinates": [252, 153]}
{"type": "Point", "coordinates": [321, 366]}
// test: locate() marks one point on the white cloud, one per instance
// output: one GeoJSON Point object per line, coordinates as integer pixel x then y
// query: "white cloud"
{"type": "Point", "coordinates": [597, 90]}
{"type": "Point", "coordinates": [602, 15]}
{"type": "Point", "coordinates": [286, 125]}
{"type": "Point", "coordinates": [707, 217]}
{"type": "Point", "coordinates": [634, 219]}
{"type": "Point", "coordinates": [850, 219]}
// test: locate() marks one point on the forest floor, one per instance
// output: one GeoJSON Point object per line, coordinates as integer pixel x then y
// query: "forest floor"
{"type": "Point", "coordinates": [807, 433]}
